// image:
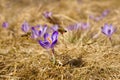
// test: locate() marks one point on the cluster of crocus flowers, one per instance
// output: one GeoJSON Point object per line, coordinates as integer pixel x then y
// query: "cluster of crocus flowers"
{"type": "Point", "coordinates": [48, 37]}
{"type": "Point", "coordinates": [98, 18]}
{"type": "Point", "coordinates": [78, 26]}
{"type": "Point", "coordinates": [39, 32]}
{"type": "Point", "coordinates": [108, 30]}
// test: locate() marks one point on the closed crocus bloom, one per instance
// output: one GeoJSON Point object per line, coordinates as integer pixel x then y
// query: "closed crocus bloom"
{"type": "Point", "coordinates": [5, 25]}
{"type": "Point", "coordinates": [25, 27]}
{"type": "Point", "coordinates": [108, 30]}
{"type": "Point", "coordinates": [35, 33]}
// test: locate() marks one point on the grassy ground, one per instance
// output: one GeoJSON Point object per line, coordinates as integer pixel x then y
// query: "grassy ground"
{"type": "Point", "coordinates": [22, 58]}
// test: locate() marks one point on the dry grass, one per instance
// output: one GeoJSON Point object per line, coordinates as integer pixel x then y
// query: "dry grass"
{"type": "Point", "coordinates": [83, 57]}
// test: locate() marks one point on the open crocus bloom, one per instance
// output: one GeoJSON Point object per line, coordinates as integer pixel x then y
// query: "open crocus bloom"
{"type": "Point", "coordinates": [25, 27]}
{"type": "Point", "coordinates": [108, 30]}
{"type": "Point", "coordinates": [49, 41]}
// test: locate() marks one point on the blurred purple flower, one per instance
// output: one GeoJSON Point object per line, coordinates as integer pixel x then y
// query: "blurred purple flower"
{"type": "Point", "coordinates": [55, 28]}
{"type": "Point", "coordinates": [49, 41]}
{"type": "Point", "coordinates": [105, 13]}
{"type": "Point", "coordinates": [78, 26]}
{"type": "Point", "coordinates": [44, 30]}
{"type": "Point", "coordinates": [38, 31]}
{"type": "Point", "coordinates": [25, 27]}
{"type": "Point", "coordinates": [98, 18]}
{"type": "Point", "coordinates": [74, 27]}
{"type": "Point", "coordinates": [84, 26]}
{"type": "Point", "coordinates": [47, 14]}
{"type": "Point", "coordinates": [35, 33]}
{"type": "Point", "coordinates": [108, 30]}
{"type": "Point", "coordinates": [5, 25]}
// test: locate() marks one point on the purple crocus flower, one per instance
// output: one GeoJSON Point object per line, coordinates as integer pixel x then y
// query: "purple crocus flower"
{"type": "Point", "coordinates": [84, 26]}
{"type": "Point", "coordinates": [74, 27]}
{"type": "Point", "coordinates": [5, 25]}
{"type": "Point", "coordinates": [98, 18]}
{"type": "Point", "coordinates": [38, 31]}
{"type": "Point", "coordinates": [49, 41]}
{"type": "Point", "coordinates": [108, 30]}
{"type": "Point", "coordinates": [78, 26]}
{"type": "Point", "coordinates": [105, 13]}
{"type": "Point", "coordinates": [47, 14]}
{"type": "Point", "coordinates": [25, 27]}
{"type": "Point", "coordinates": [35, 33]}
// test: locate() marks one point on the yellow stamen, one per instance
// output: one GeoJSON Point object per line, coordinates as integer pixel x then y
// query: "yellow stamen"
{"type": "Point", "coordinates": [49, 40]}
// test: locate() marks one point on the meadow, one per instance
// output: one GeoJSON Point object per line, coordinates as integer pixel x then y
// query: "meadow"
{"type": "Point", "coordinates": [74, 40]}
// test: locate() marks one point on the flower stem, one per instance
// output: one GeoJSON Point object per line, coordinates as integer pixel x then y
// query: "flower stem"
{"type": "Point", "coordinates": [53, 56]}
{"type": "Point", "coordinates": [110, 41]}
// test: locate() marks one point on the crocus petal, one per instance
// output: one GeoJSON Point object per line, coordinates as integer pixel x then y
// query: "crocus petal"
{"type": "Point", "coordinates": [112, 28]}
{"type": "Point", "coordinates": [104, 29]}
{"type": "Point", "coordinates": [46, 35]}
{"type": "Point", "coordinates": [44, 28]}
{"type": "Point", "coordinates": [53, 43]}
{"type": "Point", "coordinates": [39, 33]}
{"type": "Point", "coordinates": [54, 36]}
{"type": "Point", "coordinates": [34, 33]}
{"type": "Point", "coordinates": [44, 44]}
{"type": "Point", "coordinates": [39, 27]}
